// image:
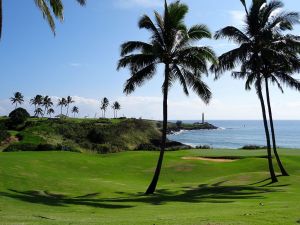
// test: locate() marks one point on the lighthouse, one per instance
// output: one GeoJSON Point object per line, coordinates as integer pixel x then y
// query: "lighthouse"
{"type": "Point", "coordinates": [203, 118]}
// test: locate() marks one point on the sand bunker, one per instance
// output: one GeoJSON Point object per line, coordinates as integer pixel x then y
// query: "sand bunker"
{"type": "Point", "coordinates": [209, 159]}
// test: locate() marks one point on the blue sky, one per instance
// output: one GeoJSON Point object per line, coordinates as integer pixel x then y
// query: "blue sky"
{"type": "Point", "coordinates": [81, 60]}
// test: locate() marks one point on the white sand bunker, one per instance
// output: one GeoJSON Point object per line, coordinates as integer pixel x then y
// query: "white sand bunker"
{"type": "Point", "coordinates": [209, 159]}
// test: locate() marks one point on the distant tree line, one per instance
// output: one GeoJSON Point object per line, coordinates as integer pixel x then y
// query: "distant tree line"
{"type": "Point", "coordinates": [43, 105]}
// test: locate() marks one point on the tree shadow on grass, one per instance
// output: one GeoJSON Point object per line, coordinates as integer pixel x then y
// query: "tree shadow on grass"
{"type": "Point", "coordinates": [204, 193]}
{"type": "Point", "coordinates": [51, 199]}
{"type": "Point", "coordinates": [215, 193]}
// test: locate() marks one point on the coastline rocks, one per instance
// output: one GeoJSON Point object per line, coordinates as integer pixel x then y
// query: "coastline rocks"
{"type": "Point", "coordinates": [171, 130]}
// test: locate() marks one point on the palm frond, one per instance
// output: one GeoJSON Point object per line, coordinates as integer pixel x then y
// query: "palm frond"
{"type": "Point", "coordinates": [136, 60]}
{"type": "Point", "coordinates": [146, 23]}
{"type": "Point", "coordinates": [198, 86]}
{"type": "Point", "coordinates": [198, 32]}
{"type": "Point", "coordinates": [1, 18]}
{"type": "Point", "coordinates": [42, 5]}
{"type": "Point", "coordinates": [131, 46]}
{"type": "Point", "coordinates": [138, 78]}
{"type": "Point", "coordinates": [233, 34]}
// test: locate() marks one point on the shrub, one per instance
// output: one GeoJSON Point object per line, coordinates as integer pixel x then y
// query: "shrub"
{"type": "Point", "coordinates": [21, 147]}
{"type": "Point", "coordinates": [3, 133]}
{"type": "Point", "coordinates": [96, 136]}
{"type": "Point", "coordinates": [203, 147]}
{"type": "Point", "coordinates": [252, 147]}
{"type": "Point", "coordinates": [178, 123]}
{"type": "Point", "coordinates": [18, 117]}
{"type": "Point", "coordinates": [147, 147]}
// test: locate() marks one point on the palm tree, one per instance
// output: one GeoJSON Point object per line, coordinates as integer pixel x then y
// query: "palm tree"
{"type": "Point", "coordinates": [47, 102]}
{"type": "Point", "coordinates": [45, 6]}
{"type": "Point", "coordinates": [38, 112]}
{"type": "Point", "coordinates": [116, 106]}
{"type": "Point", "coordinates": [104, 105]}
{"type": "Point", "coordinates": [69, 101]}
{"type": "Point", "coordinates": [75, 110]}
{"type": "Point", "coordinates": [62, 103]}
{"type": "Point", "coordinates": [36, 101]}
{"type": "Point", "coordinates": [18, 98]}
{"type": "Point", "coordinates": [258, 51]}
{"type": "Point", "coordinates": [50, 112]}
{"type": "Point", "coordinates": [171, 44]}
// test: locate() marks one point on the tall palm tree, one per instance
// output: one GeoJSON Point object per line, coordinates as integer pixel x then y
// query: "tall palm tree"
{"type": "Point", "coordinates": [257, 50]}
{"type": "Point", "coordinates": [116, 107]}
{"type": "Point", "coordinates": [62, 103]}
{"type": "Point", "coordinates": [75, 110]}
{"type": "Point", "coordinates": [36, 101]}
{"type": "Point", "coordinates": [50, 112]}
{"type": "Point", "coordinates": [38, 112]}
{"type": "Point", "coordinates": [171, 45]}
{"type": "Point", "coordinates": [18, 98]}
{"type": "Point", "coordinates": [45, 6]}
{"type": "Point", "coordinates": [69, 101]}
{"type": "Point", "coordinates": [47, 102]}
{"type": "Point", "coordinates": [104, 105]}
{"type": "Point", "coordinates": [279, 71]}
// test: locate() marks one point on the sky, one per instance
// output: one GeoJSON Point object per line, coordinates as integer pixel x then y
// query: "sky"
{"type": "Point", "coordinates": [81, 61]}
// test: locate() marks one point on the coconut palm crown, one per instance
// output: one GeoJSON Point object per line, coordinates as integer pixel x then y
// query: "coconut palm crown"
{"type": "Point", "coordinates": [170, 45]}
{"type": "Point", "coordinates": [17, 98]}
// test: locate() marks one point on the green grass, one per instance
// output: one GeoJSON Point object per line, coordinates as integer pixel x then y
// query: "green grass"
{"type": "Point", "coordinates": [71, 188]}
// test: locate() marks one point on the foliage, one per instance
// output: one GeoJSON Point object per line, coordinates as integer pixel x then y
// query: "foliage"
{"type": "Point", "coordinates": [3, 133]}
{"type": "Point", "coordinates": [18, 116]}
{"type": "Point", "coordinates": [178, 123]}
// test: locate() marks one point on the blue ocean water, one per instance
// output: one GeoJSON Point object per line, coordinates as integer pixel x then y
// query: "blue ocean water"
{"type": "Point", "coordinates": [237, 133]}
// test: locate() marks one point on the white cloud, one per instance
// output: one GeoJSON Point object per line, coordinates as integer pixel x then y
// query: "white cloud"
{"type": "Point", "coordinates": [139, 3]}
{"type": "Point", "coordinates": [75, 64]}
{"type": "Point", "coordinates": [237, 17]}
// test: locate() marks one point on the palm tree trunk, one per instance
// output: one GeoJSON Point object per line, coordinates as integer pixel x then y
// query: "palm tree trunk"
{"type": "Point", "coordinates": [154, 181]}
{"type": "Point", "coordinates": [68, 110]}
{"type": "Point", "coordinates": [1, 18]}
{"type": "Point", "coordinates": [282, 169]}
{"type": "Point", "coordinates": [270, 163]}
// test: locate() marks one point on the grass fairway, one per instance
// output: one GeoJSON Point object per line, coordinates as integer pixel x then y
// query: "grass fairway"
{"type": "Point", "coordinates": [72, 188]}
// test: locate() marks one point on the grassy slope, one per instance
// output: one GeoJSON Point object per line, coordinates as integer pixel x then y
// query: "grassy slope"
{"type": "Point", "coordinates": [71, 188]}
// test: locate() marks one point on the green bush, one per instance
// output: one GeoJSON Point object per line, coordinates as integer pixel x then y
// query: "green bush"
{"type": "Point", "coordinates": [21, 147]}
{"type": "Point", "coordinates": [147, 147]}
{"type": "Point", "coordinates": [3, 133]}
{"type": "Point", "coordinates": [17, 117]}
{"type": "Point", "coordinates": [96, 136]}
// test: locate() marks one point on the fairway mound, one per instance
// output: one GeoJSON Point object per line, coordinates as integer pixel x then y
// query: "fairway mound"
{"type": "Point", "coordinates": [221, 160]}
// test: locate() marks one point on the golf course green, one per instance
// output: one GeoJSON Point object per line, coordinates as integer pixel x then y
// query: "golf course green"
{"type": "Point", "coordinates": [73, 188]}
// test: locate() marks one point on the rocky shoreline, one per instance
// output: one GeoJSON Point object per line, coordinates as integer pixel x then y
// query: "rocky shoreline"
{"type": "Point", "coordinates": [173, 129]}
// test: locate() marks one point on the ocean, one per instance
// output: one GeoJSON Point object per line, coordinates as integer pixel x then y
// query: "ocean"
{"type": "Point", "coordinates": [235, 134]}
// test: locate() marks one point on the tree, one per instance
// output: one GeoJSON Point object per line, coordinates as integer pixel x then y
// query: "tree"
{"type": "Point", "coordinates": [75, 110]}
{"type": "Point", "coordinates": [62, 103]}
{"type": "Point", "coordinates": [116, 107]}
{"type": "Point", "coordinates": [47, 103]}
{"type": "Point", "coordinates": [36, 101]}
{"type": "Point", "coordinates": [258, 49]}
{"type": "Point", "coordinates": [45, 6]}
{"type": "Point", "coordinates": [18, 98]}
{"type": "Point", "coordinates": [69, 101]}
{"type": "Point", "coordinates": [50, 112]}
{"type": "Point", "coordinates": [38, 112]}
{"type": "Point", "coordinates": [171, 44]}
{"type": "Point", "coordinates": [104, 105]}
{"type": "Point", "coordinates": [17, 117]}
